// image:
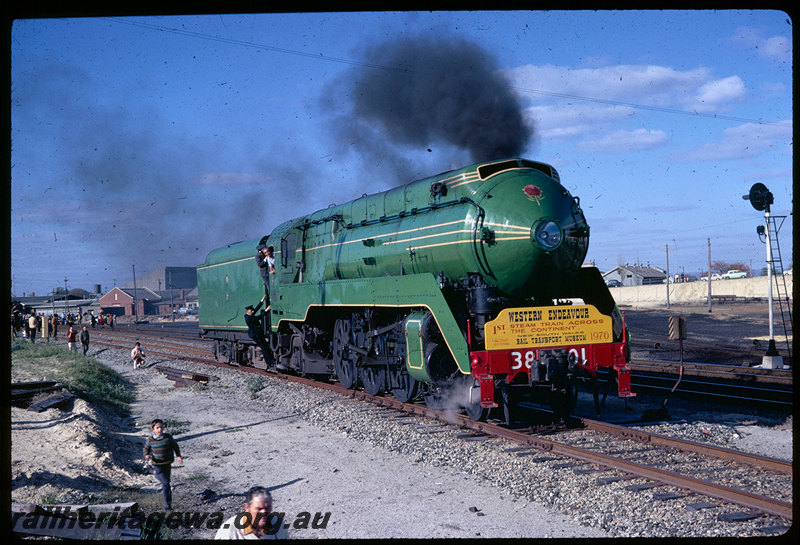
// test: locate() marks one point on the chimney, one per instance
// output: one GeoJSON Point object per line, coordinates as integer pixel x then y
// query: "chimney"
{"type": "Point", "coordinates": [182, 297]}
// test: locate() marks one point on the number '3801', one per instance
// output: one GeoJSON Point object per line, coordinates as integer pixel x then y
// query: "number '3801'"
{"type": "Point", "coordinates": [526, 358]}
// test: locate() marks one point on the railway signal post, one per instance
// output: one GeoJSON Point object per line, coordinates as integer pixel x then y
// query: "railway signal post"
{"type": "Point", "coordinates": [761, 198]}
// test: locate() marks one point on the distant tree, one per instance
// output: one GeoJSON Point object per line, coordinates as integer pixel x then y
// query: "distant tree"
{"type": "Point", "coordinates": [721, 267]}
{"type": "Point", "coordinates": [740, 267]}
{"type": "Point", "coordinates": [78, 292]}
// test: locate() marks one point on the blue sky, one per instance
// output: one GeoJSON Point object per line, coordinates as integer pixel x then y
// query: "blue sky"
{"type": "Point", "coordinates": [150, 141]}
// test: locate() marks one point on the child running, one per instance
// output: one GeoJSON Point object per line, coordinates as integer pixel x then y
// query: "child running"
{"type": "Point", "coordinates": [160, 446]}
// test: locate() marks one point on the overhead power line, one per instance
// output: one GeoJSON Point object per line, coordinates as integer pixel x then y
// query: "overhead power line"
{"type": "Point", "coordinates": [322, 57]}
{"type": "Point", "coordinates": [646, 107]}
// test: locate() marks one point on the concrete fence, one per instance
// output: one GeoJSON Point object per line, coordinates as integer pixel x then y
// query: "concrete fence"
{"type": "Point", "coordinates": [697, 292]}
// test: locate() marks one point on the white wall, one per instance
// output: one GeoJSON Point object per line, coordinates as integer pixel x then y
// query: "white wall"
{"type": "Point", "coordinates": [694, 292]}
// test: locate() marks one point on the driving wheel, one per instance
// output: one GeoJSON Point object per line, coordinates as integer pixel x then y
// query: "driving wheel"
{"type": "Point", "coordinates": [373, 378]}
{"type": "Point", "coordinates": [343, 362]}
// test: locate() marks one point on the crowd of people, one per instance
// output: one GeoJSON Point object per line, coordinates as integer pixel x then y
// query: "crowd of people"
{"type": "Point", "coordinates": [31, 324]}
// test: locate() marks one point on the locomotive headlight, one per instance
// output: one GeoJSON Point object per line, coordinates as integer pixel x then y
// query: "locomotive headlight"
{"type": "Point", "coordinates": [548, 234]}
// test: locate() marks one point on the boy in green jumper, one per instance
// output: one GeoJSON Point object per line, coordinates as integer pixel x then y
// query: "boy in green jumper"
{"type": "Point", "coordinates": [160, 446]}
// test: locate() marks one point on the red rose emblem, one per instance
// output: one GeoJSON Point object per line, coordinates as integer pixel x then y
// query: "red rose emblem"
{"type": "Point", "coordinates": [533, 192]}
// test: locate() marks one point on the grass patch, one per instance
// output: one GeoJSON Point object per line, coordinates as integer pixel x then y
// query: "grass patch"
{"type": "Point", "coordinates": [83, 376]}
{"type": "Point", "coordinates": [172, 426]}
{"type": "Point", "coordinates": [49, 498]}
{"type": "Point", "coordinates": [175, 427]}
{"type": "Point", "coordinates": [254, 385]}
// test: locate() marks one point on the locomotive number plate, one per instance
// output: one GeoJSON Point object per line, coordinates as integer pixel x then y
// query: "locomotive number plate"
{"type": "Point", "coordinates": [537, 327]}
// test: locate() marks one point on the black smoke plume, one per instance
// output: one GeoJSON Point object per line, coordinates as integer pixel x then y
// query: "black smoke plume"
{"type": "Point", "coordinates": [417, 92]}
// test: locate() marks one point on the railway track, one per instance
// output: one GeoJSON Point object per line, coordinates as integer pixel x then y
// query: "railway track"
{"type": "Point", "coordinates": [739, 384]}
{"type": "Point", "coordinates": [754, 375]}
{"type": "Point", "coordinates": [726, 389]}
{"type": "Point", "coordinates": [760, 485]}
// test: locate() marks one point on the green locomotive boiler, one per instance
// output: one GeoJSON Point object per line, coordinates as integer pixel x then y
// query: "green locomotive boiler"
{"type": "Point", "coordinates": [464, 288]}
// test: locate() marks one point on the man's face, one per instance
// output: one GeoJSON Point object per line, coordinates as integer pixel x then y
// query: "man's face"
{"type": "Point", "coordinates": [259, 509]}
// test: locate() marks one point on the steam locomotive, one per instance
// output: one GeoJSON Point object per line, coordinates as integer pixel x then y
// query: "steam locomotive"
{"type": "Point", "coordinates": [463, 288]}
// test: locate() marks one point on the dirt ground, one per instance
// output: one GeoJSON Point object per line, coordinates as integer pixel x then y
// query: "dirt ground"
{"type": "Point", "coordinates": [732, 333]}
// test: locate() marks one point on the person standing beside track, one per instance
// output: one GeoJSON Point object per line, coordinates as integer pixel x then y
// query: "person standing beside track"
{"type": "Point", "coordinates": [71, 336]}
{"type": "Point", "coordinates": [85, 339]}
{"type": "Point", "coordinates": [33, 323]}
{"type": "Point", "coordinates": [16, 318]}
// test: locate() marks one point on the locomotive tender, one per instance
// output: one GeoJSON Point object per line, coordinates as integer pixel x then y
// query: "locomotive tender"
{"type": "Point", "coordinates": [466, 287]}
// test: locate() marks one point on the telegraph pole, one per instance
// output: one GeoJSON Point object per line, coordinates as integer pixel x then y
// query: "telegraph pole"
{"type": "Point", "coordinates": [709, 274]}
{"type": "Point", "coordinates": [135, 303]}
{"type": "Point", "coordinates": [667, 247]}
{"type": "Point", "coordinates": [677, 266]}
{"type": "Point", "coordinates": [171, 298]}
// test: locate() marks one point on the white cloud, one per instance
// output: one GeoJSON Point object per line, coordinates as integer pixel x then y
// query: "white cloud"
{"type": "Point", "coordinates": [625, 88]}
{"type": "Point", "coordinates": [747, 140]}
{"type": "Point", "coordinates": [778, 48]}
{"type": "Point", "coordinates": [575, 119]}
{"type": "Point", "coordinates": [625, 141]}
{"type": "Point", "coordinates": [715, 96]}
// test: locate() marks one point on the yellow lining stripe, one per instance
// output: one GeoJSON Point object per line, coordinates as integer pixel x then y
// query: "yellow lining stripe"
{"type": "Point", "coordinates": [524, 237]}
{"type": "Point", "coordinates": [395, 233]}
{"type": "Point", "coordinates": [427, 236]}
{"type": "Point", "coordinates": [439, 244]}
{"type": "Point", "coordinates": [462, 231]}
{"type": "Point", "coordinates": [226, 262]}
{"type": "Point", "coordinates": [421, 351]}
{"type": "Point", "coordinates": [503, 225]}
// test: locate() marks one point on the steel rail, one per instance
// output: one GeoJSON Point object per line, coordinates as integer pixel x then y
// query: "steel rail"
{"type": "Point", "coordinates": [685, 445]}
{"type": "Point", "coordinates": [732, 372]}
{"type": "Point", "coordinates": [733, 495]}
